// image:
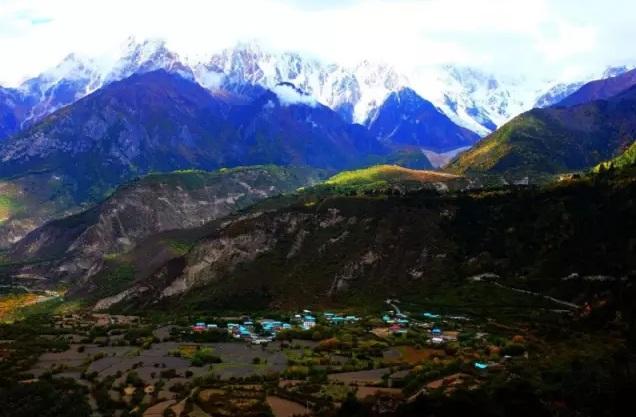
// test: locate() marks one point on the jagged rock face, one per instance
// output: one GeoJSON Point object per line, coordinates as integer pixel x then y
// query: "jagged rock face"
{"type": "Point", "coordinates": [304, 253]}
{"type": "Point", "coordinates": [152, 205]}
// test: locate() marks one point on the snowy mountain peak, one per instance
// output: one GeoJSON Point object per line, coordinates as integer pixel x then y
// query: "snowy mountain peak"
{"type": "Point", "coordinates": [471, 98]}
{"type": "Point", "coordinates": [145, 56]}
{"type": "Point", "coordinates": [70, 80]}
{"type": "Point", "coordinates": [615, 71]}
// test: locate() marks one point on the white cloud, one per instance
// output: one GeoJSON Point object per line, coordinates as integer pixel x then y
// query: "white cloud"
{"type": "Point", "coordinates": [536, 37]}
{"type": "Point", "coordinates": [288, 95]}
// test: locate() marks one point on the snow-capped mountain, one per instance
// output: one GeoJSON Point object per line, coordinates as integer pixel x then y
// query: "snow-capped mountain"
{"type": "Point", "coordinates": [406, 119]}
{"type": "Point", "coordinates": [141, 57]}
{"type": "Point", "coordinates": [560, 91]}
{"type": "Point", "coordinates": [70, 80]}
{"type": "Point", "coordinates": [77, 76]}
{"type": "Point", "coordinates": [352, 92]}
{"type": "Point", "coordinates": [557, 93]}
{"type": "Point", "coordinates": [471, 98]}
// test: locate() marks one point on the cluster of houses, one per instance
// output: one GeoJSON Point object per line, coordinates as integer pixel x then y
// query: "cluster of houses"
{"type": "Point", "coordinates": [268, 329]}
{"type": "Point", "coordinates": [307, 319]}
{"type": "Point", "coordinates": [247, 330]}
{"type": "Point", "coordinates": [202, 327]}
{"type": "Point", "coordinates": [336, 319]}
{"type": "Point", "coordinates": [397, 322]}
{"type": "Point", "coordinates": [439, 336]}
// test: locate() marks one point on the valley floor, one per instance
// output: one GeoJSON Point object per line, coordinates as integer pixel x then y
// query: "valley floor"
{"type": "Point", "coordinates": [403, 359]}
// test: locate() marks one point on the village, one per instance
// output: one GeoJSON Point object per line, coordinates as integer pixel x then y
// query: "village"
{"type": "Point", "coordinates": [307, 362]}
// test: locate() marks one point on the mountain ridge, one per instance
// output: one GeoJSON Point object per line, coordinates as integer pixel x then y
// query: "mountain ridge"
{"type": "Point", "coordinates": [555, 139]}
{"type": "Point", "coordinates": [471, 98]}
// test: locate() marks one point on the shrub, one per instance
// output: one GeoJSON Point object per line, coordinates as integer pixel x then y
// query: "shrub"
{"type": "Point", "coordinates": [204, 356]}
{"type": "Point", "coordinates": [513, 349]}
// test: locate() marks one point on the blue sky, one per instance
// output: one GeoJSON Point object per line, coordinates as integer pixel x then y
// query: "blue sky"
{"type": "Point", "coordinates": [530, 38]}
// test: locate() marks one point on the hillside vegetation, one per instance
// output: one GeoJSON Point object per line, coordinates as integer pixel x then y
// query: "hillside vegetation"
{"type": "Point", "coordinates": [380, 176]}
{"type": "Point", "coordinates": [544, 142]}
{"type": "Point", "coordinates": [625, 160]}
{"type": "Point", "coordinates": [351, 248]}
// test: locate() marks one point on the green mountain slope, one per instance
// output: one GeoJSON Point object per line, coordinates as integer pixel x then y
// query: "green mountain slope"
{"type": "Point", "coordinates": [625, 160]}
{"type": "Point", "coordinates": [549, 141]}
{"type": "Point", "coordinates": [387, 176]}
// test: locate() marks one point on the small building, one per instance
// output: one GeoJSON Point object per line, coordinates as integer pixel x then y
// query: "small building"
{"type": "Point", "coordinates": [451, 336]}
{"type": "Point", "coordinates": [199, 327]}
{"type": "Point", "coordinates": [244, 332]}
{"type": "Point", "coordinates": [308, 322]}
{"type": "Point", "coordinates": [397, 329]}
{"type": "Point", "coordinates": [261, 340]}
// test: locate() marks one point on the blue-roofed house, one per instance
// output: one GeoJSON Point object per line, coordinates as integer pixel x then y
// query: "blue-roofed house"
{"type": "Point", "coordinates": [309, 321]}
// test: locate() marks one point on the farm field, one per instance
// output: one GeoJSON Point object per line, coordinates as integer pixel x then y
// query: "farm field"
{"type": "Point", "coordinates": [209, 366]}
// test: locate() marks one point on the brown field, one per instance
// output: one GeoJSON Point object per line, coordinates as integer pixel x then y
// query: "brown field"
{"type": "Point", "coordinates": [413, 356]}
{"type": "Point", "coordinates": [369, 377]}
{"type": "Point", "coordinates": [158, 409]}
{"type": "Point", "coordinates": [285, 408]}
{"type": "Point", "coordinates": [364, 392]}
